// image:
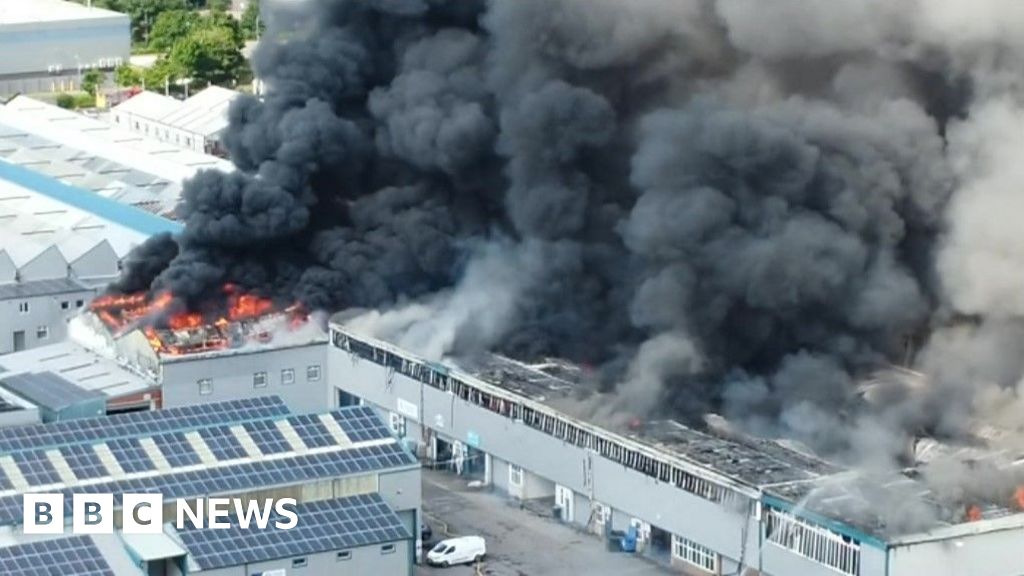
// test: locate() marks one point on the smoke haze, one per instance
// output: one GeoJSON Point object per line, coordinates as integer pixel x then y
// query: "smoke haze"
{"type": "Point", "coordinates": [722, 206]}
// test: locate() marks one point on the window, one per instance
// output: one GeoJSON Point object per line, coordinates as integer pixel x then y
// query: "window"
{"type": "Point", "coordinates": [259, 380]}
{"type": "Point", "coordinates": [79, 303]}
{"type": "Point", "coordinates": [287, 376]}
{"type": "Point", "coordinates": [387, 549]}
{"type": "Point", "coordinates": [397, 424]}
{"type": "Point", "coordinates": [313, 373]}
{"type": "Point", "coordinates": [205, 386]}
{"type": "Point", "coordinates": [515, 475]}
{"type": "Point", "coordinates": [692, 553]}
{"type": "Point", "coordinates": [65, 305]}
{"type": "Point", "coordinates": [344, 555]}
{"type": "Point", "coordinates": [42, 332]}
{"type": "Point", "coordinates": [23, 307]}
{"type": "Point", "coordinates": [812, 541]}
{"type": "Point", "coordinates": [299, 562]}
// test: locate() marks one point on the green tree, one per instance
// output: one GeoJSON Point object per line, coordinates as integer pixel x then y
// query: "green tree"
{"type": "Point", "coordinates": [66, 101]}
{"type": "Point", "coordinates": [92, 80]}
{"type": "Point", "coordinates": [170, 27]}
{"type": "Point", "coordinates": [126, 75]}
{"type": "Point", "coordinates": [208, 56]}
{"type": "Point", "coordinates": [252, 26]}
{"type": "Point", "coordinates": [219, 5]}
{"type": "Point", "coordinates": [161, 73]}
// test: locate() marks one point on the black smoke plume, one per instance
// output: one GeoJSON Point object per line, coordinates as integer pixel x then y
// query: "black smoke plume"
{"type": "Point", "coordinates": [720, 208]}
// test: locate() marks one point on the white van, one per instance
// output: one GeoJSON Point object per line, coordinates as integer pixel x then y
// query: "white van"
{"type": "Point", "coordinates": [462, 550]}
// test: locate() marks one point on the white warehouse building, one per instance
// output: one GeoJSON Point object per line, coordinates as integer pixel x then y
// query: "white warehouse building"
{"type": "Point", "coordinates": [55, 42]}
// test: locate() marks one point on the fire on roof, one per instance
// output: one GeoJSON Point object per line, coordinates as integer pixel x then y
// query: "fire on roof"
{"type": "Point", "coordinates": [239, 319]}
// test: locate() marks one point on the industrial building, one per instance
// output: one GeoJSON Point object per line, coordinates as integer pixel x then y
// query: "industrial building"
{"type": "Point", "coordinates": [76, 195]}
{"type": "Point", "coordinates": [705, 502]}
{"type": "Point", "coordinates": [255, 350]}
{"type": "Point", "coordinates": [195, 123]}
{"type": "Point", "coordinates": [56, 42]}
{"type": "Point", "coordinates": [357, 491]}
{"type": "Point", "coordinates": [59, 245]}
{"type": "Point", "coordinates": [108, 159]}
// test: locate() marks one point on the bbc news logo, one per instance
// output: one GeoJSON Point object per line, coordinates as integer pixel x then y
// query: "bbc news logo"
{"type": "Point", "coordinates": [144, 513]}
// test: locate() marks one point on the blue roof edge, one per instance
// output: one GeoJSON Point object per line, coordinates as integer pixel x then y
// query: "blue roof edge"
{"type": "Point", "coordinates": [116, 212]}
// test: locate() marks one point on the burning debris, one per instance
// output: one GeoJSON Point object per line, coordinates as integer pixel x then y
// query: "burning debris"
{"type": "Point", "coordinates": [243, 318]}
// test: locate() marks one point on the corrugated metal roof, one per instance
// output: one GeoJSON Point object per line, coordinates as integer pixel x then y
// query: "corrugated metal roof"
{"type": "Point", "coordinates": [41, 288]}
{"type": "Point", "coordinates": [49, 390]}
{"type": "Point", "coordinates": [204, 113]}
{"type": "Point", "coordinates": [149, 105]}
{"type": "Point", "coordinates": [110, 210]}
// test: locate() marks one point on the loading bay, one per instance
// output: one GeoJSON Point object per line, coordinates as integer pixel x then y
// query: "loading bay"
{"type": "Point", "coordinates": [519, 542]}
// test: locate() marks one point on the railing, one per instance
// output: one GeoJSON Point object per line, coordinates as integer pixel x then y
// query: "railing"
{"type": "Point", "coordinates": [540, 418]}
{"type": "Point", "coordinates": [839, 552]}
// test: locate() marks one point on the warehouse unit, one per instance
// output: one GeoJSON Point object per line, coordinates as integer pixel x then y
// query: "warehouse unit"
{"type": "Point", "coordinates": [195, 123]}
{"type": "Point", "coordinates": [56, 42]}
{"type": "Point", "coordinates": [58, 246]}
{"type": "Point", "coordinates": [702, 501]}
{"type": "Point", "coordinates": [356, 489]}
{"type": "Point", "coordinates": [91, 154]}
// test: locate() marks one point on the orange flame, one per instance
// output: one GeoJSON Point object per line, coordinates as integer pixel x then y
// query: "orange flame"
{"type": "Point", "coordinates": [185, 321]}
{"type": "Point", "coordinates": [973, 513]}
{"type": "Point", "coordinates": [248, 306]}
{"type": "Point", "coordinates": [1018, 497]}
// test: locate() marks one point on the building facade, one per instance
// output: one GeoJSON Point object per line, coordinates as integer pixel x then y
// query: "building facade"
{"type": "Point", "coordinates": [703, 504]}
{"type": "Point", "coordinates": [56, 43]}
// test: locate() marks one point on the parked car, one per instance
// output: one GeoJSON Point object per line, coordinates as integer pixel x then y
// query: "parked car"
{"type": "Point", "coordinates": [426, 532]}
{"type": "Point", "coordinates": [462, 550]}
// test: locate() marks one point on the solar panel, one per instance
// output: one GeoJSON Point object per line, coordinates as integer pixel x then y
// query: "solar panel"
{"type": "Point", "coordinates": [130, 455]}
{"type": "Point", "coordinates": [244, 476]}
{"type": "Point", "coordinates": [312, 431]}
{"type": "Point", "coordinates": [49, 390]}
{"type": "Point", "coordinates": [36, 468]}
{"type": "Point", "coordinates": [176, 449]}
{"type": "Point", "coordinates": [222, 443]}
{"type": "Point", "coordinates": [267, 437]}
{"type": "Point", "coordinates": [83, 461]}
{"type": "Point", "coordinates": [361, 423]}
{"type": "Point", "coordinates": [5, 483]}
{"type": "Point", "coordinates": [139, 424]}
{"type": "Point", "coordinates": [325, 525]}
{"type": "Point", "coordinates": [75, 555]}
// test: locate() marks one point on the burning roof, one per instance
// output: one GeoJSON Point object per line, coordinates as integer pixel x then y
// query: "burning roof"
{"type": "Point", "coordinates": [171, 330]}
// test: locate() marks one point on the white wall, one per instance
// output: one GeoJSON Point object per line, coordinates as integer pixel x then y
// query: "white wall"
{"type": "Point", "coordinates": [69, 44]}
{"type": "Point", "coordinates": [42, 311]}
{"type": "Point", "coordinates": [232, 378]}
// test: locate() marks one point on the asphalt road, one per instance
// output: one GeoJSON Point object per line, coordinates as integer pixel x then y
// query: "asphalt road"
{"type": "Point", "coordinates": [519, 542]}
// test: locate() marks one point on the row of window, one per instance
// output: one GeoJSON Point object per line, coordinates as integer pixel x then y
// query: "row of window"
{"type": "Point", "coordinates": [694, 554]}
{"type": "Point", "coordinates": [812, 541]}
{"type": "Point", "coordinates": [24, 307]}
{"type": "Point", "coordinates": [260, 380]}
{"type": "Point", "coordinates": [342, 556]}
{"type": "Point", "coordinates": [549, 423]}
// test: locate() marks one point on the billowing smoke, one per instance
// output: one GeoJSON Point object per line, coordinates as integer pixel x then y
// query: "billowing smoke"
{"type": "Point", "coordinates": [722, 207]}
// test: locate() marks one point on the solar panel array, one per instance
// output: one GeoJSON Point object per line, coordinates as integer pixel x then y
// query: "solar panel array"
{"type": "Point", "coordinates": [361, 423]}
{"type": "Point", "coordinates": [83, 461]}
{"type": "Point", "coordinates": [222, 443]}
{"type": "Point", "coordinates": [242, 476]}
{"type": "Point", "coordinates": [72, 556]}
{"type": "Point", "coordinates": [130, 455]}
{"type": "Point", "coordinates": [312, 431]}
{"type": "Point", "coordinates": [267, 437]}
{"type": "Point", "coordinates": [176, 449]}
{"type": "Point", "coordinates": [36, 468]}
{"type": "Point", "coordinates": [49, 390]}
{"type": "Point", "coordinates": [139, 424]}
{"type": "Point", "coordinates": [325, 525]}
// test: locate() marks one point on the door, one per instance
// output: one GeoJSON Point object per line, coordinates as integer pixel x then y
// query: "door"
{"type": "Point", "coordinates": [564, 500]}
{"type": "Point", "coordinates": [19, 340]}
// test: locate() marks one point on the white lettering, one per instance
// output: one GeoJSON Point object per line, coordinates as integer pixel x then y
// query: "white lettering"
{"type": "Point", "coordinates": [218, 508]}
{"type": "Point", "coordinates": [196, 516]}
{"type": "Point", "coordinates": [252, 509]}
{"type": "Point", "coordinates": [282, 508]}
